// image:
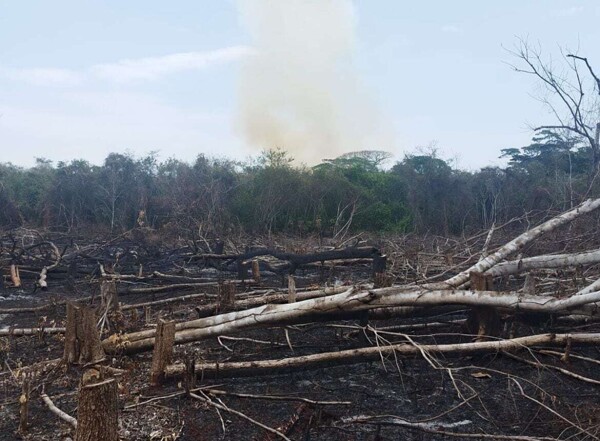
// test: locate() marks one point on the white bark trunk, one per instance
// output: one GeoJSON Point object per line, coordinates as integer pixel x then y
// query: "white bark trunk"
{"type": "Point", "coordinates": [542, 262]}
{"type": "Point", "coordinates": [519, 242]}
{"type": "Point", "coordinates": [374, 353]}
{"type": "Point", "coordinates": [351, 301]}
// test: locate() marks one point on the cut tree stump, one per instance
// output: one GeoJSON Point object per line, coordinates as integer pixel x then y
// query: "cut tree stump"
{"type": "Point", "coordinates": [98, 412]}
{"type": "Point", "coordinates": [226, 295]}
{"type": "Point", "coordinates": [14, 275]}
{"type": "Point", "coordinates": [255, 271]}
{"type": "Point", "coordinates": [108, 295]}
{"type": "Point", "coordinates": [163, 351]}
{"type": "Point", "coordinates": [291, 289]}
{"type": "Point", "coordinates": [483, 320]}
{"type": "Point", "coordinates": [379, 264]}
{"type": "Point", "coordinates": [189, 380]}
{"type": "Point", "coordinates": [82, 339]}
{"type": "Point", "coordinates": [24, 407]}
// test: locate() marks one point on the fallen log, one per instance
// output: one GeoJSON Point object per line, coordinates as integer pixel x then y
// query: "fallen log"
{"type": "Point", "coordinates": [176, 278]}
{"type": "Point", "coordinates": [154, 289]}
{"type": "Point", "coordinates": [545, 262]}
{"type": "Point", "coordinates": [348, 301]}
{"type": "Point", "coordinates": [350, 356]}
{"type": "Point", "coordinates": [248, 302]}
{"type": "Point", "coordinates": [517, 243]}
{"type": "Point", "coordinates": [30, 331]}
{"type": "Point", "coordinates": [28, 309]}
{"type": "Point", "coordinates": [296, 260]}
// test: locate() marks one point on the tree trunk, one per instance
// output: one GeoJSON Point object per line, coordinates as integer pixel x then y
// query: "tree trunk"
{"type": "Point", "coordinates": [483, 320]}
{"type": "Point", "coordinates": [349, 356]}
{"type": "Point", "coordinates": [544, 262]}
{"type": "Point", "coordinates": [24, 407]}
{"type": "Point", "coordinates": [351, 301]}
{"type": "Point", "coordinates": [163, 351]}
{"type": "Point", "coordinates": [291, 289]}
{"type": "Point", "coordinates": [226, 296]}
{"type": "Point", "coordinates": [108, 295]}
{"type": "Point", "coordinates": [82, 340]}
{"type": "Point", "coordinates": [256, 271]}
{"type": "Point", "coordinates": [518, 243]}
{"type": "Point", "coordinates": [97, 412]}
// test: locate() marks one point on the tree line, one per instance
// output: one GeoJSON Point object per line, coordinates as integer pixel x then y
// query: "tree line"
{"type": "Point", "coordinates": [420, 193]}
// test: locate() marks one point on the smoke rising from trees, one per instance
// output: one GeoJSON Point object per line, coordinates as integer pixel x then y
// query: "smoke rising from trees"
{"type": "Point", "coordinates": [300, 90]}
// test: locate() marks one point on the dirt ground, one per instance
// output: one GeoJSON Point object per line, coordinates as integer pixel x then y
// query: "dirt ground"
{"type": "Point", "coordinates": [525, 395]}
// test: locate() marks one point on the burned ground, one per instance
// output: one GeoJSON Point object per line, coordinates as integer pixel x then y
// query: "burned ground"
{"type": "Point", "coordinates": [535, 393]}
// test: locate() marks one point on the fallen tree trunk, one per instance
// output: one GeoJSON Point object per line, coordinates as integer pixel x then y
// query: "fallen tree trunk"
{"type": "Point", "coordinates": [545, 262]}
{"type": "Point", "coordinates": [296, 260]}
{"type": "Point", "coordinates": [248, 302]}
{"type": "Point", "coordinates": [315, 361]}
{"type": "Point", "coordinates": [348, 301]}
{"type": "Point", "coordinates": [346, 253]}
{"type": "Point", "coordinates": [30, 331]}
{"type": "Point", "coordinates": [519, 242]}
{"type": "Point", "coordinates": [154, 289]}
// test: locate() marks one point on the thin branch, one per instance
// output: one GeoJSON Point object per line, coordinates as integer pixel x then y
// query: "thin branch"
{"type": "Point", "coordinates": [240, 414]}
{"type": "Point", "coordinates": [55, 410]}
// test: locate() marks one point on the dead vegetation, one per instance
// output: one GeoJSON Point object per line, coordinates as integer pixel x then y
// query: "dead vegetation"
{"type": "Point", "coordinates": [492, 336]}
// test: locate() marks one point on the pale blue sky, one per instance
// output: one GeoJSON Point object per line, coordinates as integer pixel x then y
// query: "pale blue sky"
{"type": "Point", "coordinates": [80, 79]}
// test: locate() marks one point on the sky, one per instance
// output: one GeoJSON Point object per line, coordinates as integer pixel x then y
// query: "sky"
{"type": "Point", "coordinates": [84, 78]}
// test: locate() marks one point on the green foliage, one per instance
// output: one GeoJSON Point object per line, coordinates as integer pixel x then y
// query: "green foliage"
{"type": "Point", "coordinates": [209, 197]}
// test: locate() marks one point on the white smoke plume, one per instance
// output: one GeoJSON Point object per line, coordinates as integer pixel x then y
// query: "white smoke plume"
{"type": "Point", "coordinates": [299, 90]}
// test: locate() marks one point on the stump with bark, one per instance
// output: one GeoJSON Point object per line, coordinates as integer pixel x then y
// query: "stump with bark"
{"type": "Point", "coordinates": [163, 351]}
{"type": "Point", "coordinates": [82, 339]}
{"type": "Point", "coordinates": [483, 320]}
{"type": "Point", "coordinates": [98, 412]}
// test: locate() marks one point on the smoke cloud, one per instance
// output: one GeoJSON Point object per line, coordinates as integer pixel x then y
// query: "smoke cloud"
{"type": "Point", "coordinates": [299, 90]}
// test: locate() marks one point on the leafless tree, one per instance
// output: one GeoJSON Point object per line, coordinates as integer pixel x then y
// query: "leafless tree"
{"type": "Point", "coordinates": [570, 97]}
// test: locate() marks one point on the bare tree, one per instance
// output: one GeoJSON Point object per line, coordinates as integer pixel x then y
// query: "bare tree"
{"type": "Point", "coordinates": [573, 101]}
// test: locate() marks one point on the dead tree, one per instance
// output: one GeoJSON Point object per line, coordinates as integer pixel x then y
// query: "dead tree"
{"type": "Point", "coordinates": [42, 282]}
{"type": "Point", "coordinates": [576, 111]}
{"type": "Point", "coordinates": [350, 356]}
{"type": "Point", "coordinates": [448, 293]}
